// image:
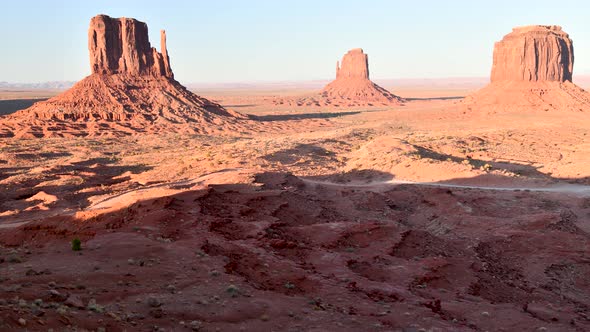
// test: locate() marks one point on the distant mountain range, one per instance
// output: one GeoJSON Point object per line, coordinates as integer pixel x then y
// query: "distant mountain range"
{"type": "Point", "coordinates": [55, 85]}
{"type": "Point", "coordinates": [582, 80]}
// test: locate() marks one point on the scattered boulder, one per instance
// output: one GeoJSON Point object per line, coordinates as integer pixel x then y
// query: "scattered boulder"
{"type": "Point", "coordinates": [542, 311]}
{"type": "Point", "coordinates": [75, 302]}
{"type": "Point", "coordinates": [154, 302]}
{"type": "Point", "coordinates": [57, 296]}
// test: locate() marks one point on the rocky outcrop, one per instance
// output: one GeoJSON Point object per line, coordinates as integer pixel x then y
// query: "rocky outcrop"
{"type": "Point", "coordinates": [533, 54]}
{"type": "Point", "coordinates": [122, 46]}
{"type": "Point", "coordinates": [353, 86]}
{"type": "Point", "coordinates": [532, 71]}
{"type": "Point", "coordinates": [131, 90]}
{"type": "Point", "coordinates": [355, 65]}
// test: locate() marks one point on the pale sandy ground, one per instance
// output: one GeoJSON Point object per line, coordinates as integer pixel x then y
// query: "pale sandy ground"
{"type": "Point", "coordinates": [429, 139]}
{"type": "Point", "coordinates": [310, 228]}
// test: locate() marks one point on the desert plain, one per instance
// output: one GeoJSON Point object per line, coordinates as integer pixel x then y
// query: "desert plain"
{"type": "Point", "coordinates": [429, 209]}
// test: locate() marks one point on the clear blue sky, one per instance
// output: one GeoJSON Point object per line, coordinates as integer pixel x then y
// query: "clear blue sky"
{"type": "Point", "coordinates": [270, 40]}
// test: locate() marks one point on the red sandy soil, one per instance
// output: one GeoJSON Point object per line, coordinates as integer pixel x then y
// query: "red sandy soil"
{"type": "Point", "coordinates": [304, 228]}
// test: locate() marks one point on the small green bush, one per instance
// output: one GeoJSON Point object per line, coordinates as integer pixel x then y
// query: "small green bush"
{"type": "Point", "coordinates": [76, 244]}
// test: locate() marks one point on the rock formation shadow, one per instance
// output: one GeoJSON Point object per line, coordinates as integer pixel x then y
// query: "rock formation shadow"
{"type": "Point", "coordinates": [302, 116]}
{"type": "Point", "coordinates": [521, 169]}
{"type": "Point", "coordinates": [299, 152]}
{"type": "Point", "coordinates": [13, 105]}
{"type": "Point", "coordinates": [434, 98]}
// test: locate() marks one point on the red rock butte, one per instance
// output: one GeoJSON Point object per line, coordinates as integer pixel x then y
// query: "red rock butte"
{"type": "Point", "coordinates": [131, 90]}
{"type": "Point", "coordinates": [351, 88]}
{"type": "Point", "coordinates": [355, 65]}
{"type": "Point", "coordinates": [353, 83]}
{"type": "Point", "coordinates": [534, 53]}
{"type": "Point", "coordinates": [532, 70]}
{"type": "Point", "coordinates": [121, 46]}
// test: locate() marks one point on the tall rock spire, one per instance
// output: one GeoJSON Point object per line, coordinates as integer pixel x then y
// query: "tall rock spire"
{"type": "Point", "coordinates": [165, 57]}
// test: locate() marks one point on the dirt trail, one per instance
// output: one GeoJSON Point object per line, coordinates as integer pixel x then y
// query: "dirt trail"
{"type": "Point", "coordinates": [563, 188]}
{"type": "Point", "coordinates": [170, 188]}
{"type": "Point", "coordinates": [221, 177]}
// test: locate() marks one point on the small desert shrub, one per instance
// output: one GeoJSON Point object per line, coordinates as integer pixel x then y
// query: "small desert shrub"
{"type": "Point", "coordinates": [233, 290]}
{"type": "Point", "coordinates": [76, 244]}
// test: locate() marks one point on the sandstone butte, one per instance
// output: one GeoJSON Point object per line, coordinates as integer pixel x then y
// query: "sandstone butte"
{"type": "Point", "coordinates": [131, 89]}
{"type": "Point", "coordinates": [532, 70]}
{"type": "Point", "coordinates": [351, 88]}
{"type": "Point", "coordinates": [353, 83]}
{"type": "Point", "coordinates": [121, 46]}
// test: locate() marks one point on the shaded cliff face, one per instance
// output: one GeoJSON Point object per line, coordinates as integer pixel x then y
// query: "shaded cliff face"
{"type": "Point", "coordinates": [532, 54]}
{"type": "Point", "coordinates": [122, 46]}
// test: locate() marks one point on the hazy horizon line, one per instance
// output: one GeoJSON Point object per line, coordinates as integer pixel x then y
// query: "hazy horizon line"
{"type": "Point", "coordinates": [262, 81]}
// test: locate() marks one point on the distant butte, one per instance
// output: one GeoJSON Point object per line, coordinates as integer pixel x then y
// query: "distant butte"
{"type": "Point", "coordinates": [355, 65]}
{"type": "Point", "coordinates": [532, 70]}
{"type": "Point", "coordinates": [352, 87]}
{"type": "Point", "coordinates": [131, 90]}
{"type": "Point", "coordinates": [353, 82]}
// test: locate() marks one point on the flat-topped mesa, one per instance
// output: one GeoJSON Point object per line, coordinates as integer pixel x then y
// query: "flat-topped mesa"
{"type": "Point", "coordinates": [355, 65]}
{"type": "Point", "coordinates": [122, 46]}
{"type": "Point", "coordinates": [533, 54]}
{"type": "Point", "coordinates": [532, 71]}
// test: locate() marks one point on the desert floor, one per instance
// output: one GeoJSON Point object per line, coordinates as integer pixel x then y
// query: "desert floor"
{"type": "Point", "coordinates": [416, 217]}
